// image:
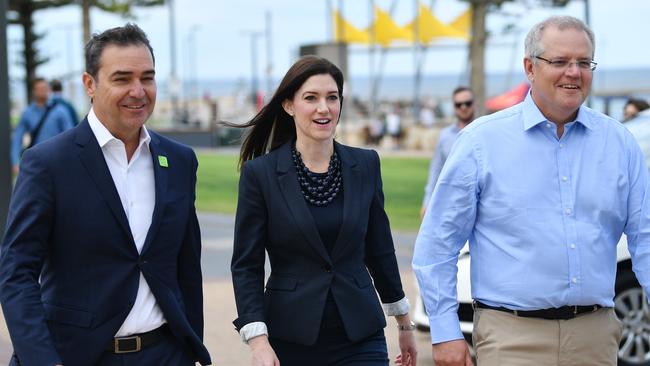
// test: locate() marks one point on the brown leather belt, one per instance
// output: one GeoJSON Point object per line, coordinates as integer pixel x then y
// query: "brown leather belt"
{"type": "Point", "coordinates": [136, 342]}
{"type": "Point", "coordinates": [561, 313]}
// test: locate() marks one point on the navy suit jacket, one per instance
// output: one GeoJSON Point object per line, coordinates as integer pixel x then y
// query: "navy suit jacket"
{"type": "Point", "coordinates": [66, 226]}
{"type": "Point", "coordinates": [272, 215]}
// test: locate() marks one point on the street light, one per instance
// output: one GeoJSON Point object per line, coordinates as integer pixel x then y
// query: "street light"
{"type": "Point", "coordinates": [255, 35]}
{"type": "Point", "coordinates": [173, 77]}
{"type": "Point", "coordinates": [192, 65]}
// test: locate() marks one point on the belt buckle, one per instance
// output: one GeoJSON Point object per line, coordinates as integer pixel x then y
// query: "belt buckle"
{"type": "Point", "coordinates": [138, 344]}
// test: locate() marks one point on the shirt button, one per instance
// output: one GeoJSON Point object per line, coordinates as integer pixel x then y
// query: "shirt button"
{"type": "Point", "coordinates": [565, 178]}
{"type": "Point", "coordinates": [572, 246]}
{"type": "Point", "coordinates": [568, 211]}
{"type": "Point", "coordinates": [561, 146]}
{"type": "Point", "coordinates": [574, 280]}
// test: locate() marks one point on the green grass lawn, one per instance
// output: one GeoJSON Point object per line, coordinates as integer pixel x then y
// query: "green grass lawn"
{"type": "Point", "coordinates": [403, 178]}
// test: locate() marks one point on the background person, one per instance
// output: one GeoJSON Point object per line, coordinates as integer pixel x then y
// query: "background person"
{"type": "Point", "coordinates": [57, 97]}
{"type": "Point", "coordinates": [42, 119]}
{"type": "Point", "coordinates": [543, 191]}
{"type": "Point", "coordinates": [463, 99]}
{"type": "Point", "coordinates": [100, 264]}
{"type": "Point", "coordinates": [632, 108]}
{"type": "Point", "coordinates": [317, 208]}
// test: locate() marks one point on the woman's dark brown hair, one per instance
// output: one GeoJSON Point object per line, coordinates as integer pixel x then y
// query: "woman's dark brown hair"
{"type": "Point", "coordinates": [272, 126]}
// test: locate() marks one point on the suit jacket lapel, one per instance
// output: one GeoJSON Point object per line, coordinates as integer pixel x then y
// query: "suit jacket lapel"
{"type": "Point", "coordinates": [352, 185]}
{"type": "Point", "coordinates": [160, 176]}
{"type": "Point", "coordinates": [290, 188]}
{"type": "Point", "coordinates": [93, 160]}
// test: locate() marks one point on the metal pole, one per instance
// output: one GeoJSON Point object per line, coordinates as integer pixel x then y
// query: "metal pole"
{"type": "Point", "coordinates": [5, 164]}
{"type": "Point", "coordinates": [254, 82]}
{"type": "Point", "coordinates": [269, 57]}
{"type": "Point", "coordinates": [173, 77]}
{"type": "Point", "coordinates": [417, 55]}
{"type": "Point", "coordinates": [371, 62]}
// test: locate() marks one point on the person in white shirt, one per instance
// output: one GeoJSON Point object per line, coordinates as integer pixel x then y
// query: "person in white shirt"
{"type": "Point", "coordinates": [100, 264]}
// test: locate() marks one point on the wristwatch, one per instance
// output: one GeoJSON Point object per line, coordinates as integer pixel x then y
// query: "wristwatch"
{"type": "Point", "coordinates": [403, 328]}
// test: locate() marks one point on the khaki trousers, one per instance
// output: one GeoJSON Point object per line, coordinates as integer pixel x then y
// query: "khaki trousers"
{"type": "Point", "coordinates": [503, 339]}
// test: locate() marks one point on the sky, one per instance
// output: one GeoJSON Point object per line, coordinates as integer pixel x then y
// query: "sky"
{"type": "Point", "coordinates": [214, 36]}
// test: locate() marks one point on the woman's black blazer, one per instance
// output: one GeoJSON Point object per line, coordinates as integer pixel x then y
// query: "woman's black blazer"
{"type": "Point", "coordinates": [272, 215]}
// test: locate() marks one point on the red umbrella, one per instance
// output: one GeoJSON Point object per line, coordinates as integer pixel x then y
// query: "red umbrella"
{"type": "Point", "coordinates": [509, 98]}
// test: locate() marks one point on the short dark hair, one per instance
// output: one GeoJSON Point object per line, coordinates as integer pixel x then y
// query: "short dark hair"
{"type": "Point", "coordinates": [461, 89]}
{"type": "Point", "coordinates": [38, 79]}
{"type": "Point", "coordinates": [639, 104]}
{"type": "Point", "coordinates": [129, 34]}
{"type": "Point", "coordinates": [56, 86]}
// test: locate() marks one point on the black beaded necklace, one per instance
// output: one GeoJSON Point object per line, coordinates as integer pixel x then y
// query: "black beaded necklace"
{"type": "Point", "coordinates": [318, 189]}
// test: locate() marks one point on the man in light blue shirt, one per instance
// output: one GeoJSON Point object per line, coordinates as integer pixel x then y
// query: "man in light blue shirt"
{"type": "Point", "coordinates": [542, 191]}
{"type": "Point", "coordinates": [463, 99]}
{"type": "Point", "coordinates": [56, 121]}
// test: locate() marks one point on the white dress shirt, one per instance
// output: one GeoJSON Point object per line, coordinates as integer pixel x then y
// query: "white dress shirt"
{"type": "Point", "coordinates": [135, 183]}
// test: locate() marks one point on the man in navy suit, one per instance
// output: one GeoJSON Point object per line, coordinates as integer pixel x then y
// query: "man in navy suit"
{"type": "Point", "coordinates": [100, 264]}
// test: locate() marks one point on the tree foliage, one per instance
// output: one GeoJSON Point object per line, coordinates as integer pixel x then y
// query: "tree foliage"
{"type": "Point", "coordinates": [21, 12]}
{"type": "Point", "coordinates": [480, 10]}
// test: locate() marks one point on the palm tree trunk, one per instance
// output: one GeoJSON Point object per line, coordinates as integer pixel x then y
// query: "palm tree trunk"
{"type": "Point", "coordinates": [85, 19]}
{"type": "Point", "coordinates": [477, 54]}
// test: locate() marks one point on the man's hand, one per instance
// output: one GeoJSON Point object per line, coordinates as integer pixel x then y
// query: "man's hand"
{"type": "Point", "coordinates": [14, 169]}
{"type": "Point", "coordinates": [423, 210]}
{"type": "Point", "coordinates": [263, 354]}
{"type": "Point", "coordinates": [452, 353]}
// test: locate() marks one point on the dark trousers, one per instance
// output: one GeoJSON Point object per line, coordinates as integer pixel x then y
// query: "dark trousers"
{"type": "Point", "coordinates": [333, 348]}
{"type": "Point", "coordinates": [166, 352]}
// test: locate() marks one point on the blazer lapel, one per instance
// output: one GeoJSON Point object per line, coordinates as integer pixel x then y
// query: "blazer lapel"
{"type": "Point", "coordinates": [293, 196]}
{"type": "Point", "coordinates": [352, 185]}
{"type": "Point", "coordinates": [160, 176]}
{"type": "Point", "coordinates": [93, 160]}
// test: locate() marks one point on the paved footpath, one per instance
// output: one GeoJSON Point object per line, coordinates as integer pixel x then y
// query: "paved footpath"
{"type": "Point", "coordinates": [219, 306]}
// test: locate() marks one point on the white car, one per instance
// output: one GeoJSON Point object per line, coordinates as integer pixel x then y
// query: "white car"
{"type": "Point", "coordinates": [629, 301]}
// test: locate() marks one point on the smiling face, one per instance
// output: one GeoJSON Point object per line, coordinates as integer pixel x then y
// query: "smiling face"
{"type": "Point", "coordinates": [124, 91]}
{"type": "Point", "coordinates": [315, 108]}
{"type": "Point", "coordinates": [559, 92]}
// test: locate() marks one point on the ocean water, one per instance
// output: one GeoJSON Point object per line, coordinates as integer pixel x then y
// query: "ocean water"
{"type": "Point", "coordinates": [610, 88]}
{"type": "Point", "coordinates": [394, 87]}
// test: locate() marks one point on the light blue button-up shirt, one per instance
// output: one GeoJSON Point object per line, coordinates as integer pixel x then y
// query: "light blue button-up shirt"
{"type": "Point", "coordinates": [57, 121]}
{"type": "Point", "coordinates": [443, 148]}
{"type": "Point", "coordinates": [542, 214]}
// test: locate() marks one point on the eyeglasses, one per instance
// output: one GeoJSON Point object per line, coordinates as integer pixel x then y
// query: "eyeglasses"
{"type": "Point", "coordinates": [467, 103]}
{"type": "Point", "coordinates": [564, 64]}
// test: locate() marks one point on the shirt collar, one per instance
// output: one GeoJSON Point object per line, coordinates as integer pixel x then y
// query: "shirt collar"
{"type": "Point", "coordinates": [533, 116]}
{"type": "Point", "coordinates": [104, 136]}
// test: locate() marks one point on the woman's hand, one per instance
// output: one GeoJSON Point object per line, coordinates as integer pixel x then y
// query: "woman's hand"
{"type": "Point", "coordinates": [409, 353]}
{"type": "Point", "coordinates": [263, 354]}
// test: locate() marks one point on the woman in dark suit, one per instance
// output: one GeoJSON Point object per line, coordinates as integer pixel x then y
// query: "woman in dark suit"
{"type": "Point", "coordinates": [317, 208]}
